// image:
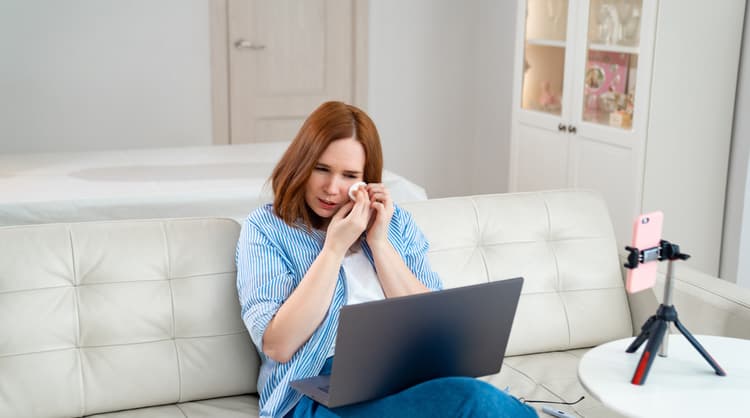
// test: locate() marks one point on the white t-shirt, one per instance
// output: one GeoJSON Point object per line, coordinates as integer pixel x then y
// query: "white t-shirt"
{"type": "Point", "coordinates": [362, 284]}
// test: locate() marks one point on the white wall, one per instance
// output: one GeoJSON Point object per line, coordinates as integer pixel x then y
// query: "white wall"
{"type": "Point", "coordinates": [421, 89]}
{"type": "Point", "coordinates": [102, 74]}
{"type": "Point", "coordinates": [439, 91]}
{"type": "Point", "coordinates": [494, 93]}
{"type": "Point", "coordinates": [735, 262]}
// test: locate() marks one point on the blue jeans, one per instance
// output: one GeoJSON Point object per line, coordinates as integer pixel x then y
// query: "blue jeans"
{"type": "Point", "coordinates": [454, 397]}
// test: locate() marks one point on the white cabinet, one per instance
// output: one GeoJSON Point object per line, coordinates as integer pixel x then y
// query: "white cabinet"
{"type": "Point", "coordinates": [634, 99]}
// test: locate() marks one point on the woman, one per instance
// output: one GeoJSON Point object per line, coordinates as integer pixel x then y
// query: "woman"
{"type": "Point", "coordinates": [314, 250]}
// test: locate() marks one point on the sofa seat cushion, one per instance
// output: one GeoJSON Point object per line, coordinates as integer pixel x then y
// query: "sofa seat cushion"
{"type": "Point", "coordinates": [549, 376]}
{"type": "Point", "coordinates": [229, 407]}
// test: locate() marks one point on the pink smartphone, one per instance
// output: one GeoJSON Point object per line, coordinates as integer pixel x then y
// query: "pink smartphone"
{"type": "Point", "coordinates": [646, 234]}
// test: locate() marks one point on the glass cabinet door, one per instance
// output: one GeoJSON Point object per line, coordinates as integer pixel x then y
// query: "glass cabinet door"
{"type": "Point", "coordinates": [612, 48]}
{"type": "Point", "coordinates": [544, 55]}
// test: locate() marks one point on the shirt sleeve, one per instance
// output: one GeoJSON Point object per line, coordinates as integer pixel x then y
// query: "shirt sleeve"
{"type": "Point", "coordinates": [414, 250]}
{"type": "Point", "coordinates": [264, 280]}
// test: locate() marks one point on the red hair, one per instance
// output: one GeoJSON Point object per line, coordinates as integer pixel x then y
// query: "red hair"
{"type": "Point", "coordinates": [331, 121]}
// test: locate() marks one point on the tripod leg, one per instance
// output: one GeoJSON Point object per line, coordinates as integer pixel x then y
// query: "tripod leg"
{"type": "Point", "coordinates": [643, 336]}
{"type": "Point", "coordinates": [649, 353]}
{"type": "Point", "coordinates": [700, 348]}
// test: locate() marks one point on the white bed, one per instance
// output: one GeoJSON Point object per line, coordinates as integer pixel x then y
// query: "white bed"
{"type": "Point", "coordinates": [222, 180]}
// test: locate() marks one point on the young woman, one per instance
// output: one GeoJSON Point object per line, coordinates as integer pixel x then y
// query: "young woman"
{"type": "Point", "coordinates": [314, 250]}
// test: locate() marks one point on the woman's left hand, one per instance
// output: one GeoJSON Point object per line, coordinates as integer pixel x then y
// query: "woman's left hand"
{"type": "Point", "coordinates": [382, 207]}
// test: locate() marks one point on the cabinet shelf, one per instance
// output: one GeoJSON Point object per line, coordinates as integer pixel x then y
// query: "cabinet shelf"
{"type": "Point", "coordinates": [606, 116]}
{"type": "Point", "coordinates": [614, 48]}
{"type": "Point", "coordinates": [546, 42]}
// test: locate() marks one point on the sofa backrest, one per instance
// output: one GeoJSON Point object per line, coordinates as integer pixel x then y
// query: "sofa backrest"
{"type": "Point", "coordinates": [105, 316]}
{"type": "Point", "coordinates": [562, 243]}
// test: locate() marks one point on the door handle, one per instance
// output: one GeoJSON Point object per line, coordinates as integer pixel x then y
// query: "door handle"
{"type": "Point", "coordinates": [245, 44]}
{"type": "Point", "coordinates": [572, 129]}
{"type": "Point", "coordinates": [561, 127]}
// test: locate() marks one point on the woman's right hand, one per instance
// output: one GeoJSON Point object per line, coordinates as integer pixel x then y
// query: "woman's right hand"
{"type": "Point", "coordinates": [348, 224]}
{"type": "Point", "coordinates": [304, 310]}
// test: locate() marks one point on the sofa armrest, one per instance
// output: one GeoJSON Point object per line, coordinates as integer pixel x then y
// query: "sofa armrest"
{"type": "Point", "coordinates": [705, 304]}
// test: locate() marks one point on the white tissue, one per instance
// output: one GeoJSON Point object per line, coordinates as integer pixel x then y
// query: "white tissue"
{"type": "Point", "coordinates": [354, 188]}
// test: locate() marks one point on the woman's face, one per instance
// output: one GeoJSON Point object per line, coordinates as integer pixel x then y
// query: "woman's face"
{"type": "Point", "coordinates": [341, 165]}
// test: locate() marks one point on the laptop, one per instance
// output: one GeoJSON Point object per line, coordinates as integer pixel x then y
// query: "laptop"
{"type": "Point", "coordinates": [385, 346]}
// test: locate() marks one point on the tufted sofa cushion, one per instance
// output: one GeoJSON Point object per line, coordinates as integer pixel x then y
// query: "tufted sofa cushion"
{"type": "Point", "coordinates": [106, 316]}
{"type": "Point", "coordinates": [140, 318]}
{"type": "Point", "coordinates": [561, 242]}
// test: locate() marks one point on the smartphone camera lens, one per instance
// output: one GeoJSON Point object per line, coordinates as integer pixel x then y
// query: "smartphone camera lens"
{"type": "Point", "coordinates": [645, 220]}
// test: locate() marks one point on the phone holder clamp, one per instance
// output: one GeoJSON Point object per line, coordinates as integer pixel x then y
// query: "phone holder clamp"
{"type": "Point", "coordinates": [665, 251]}
{"type": "Point", "coordinates": [655, 330]}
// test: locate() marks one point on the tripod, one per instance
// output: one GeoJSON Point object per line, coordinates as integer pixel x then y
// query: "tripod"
{"type": "Point", "coordinates": [655, 329]}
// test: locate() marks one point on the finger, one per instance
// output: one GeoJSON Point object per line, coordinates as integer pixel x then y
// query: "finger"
{"type": "Point", "coordinates": [344, 210]}
{"type": "Point", "coordinates": [360, 208]}
{"type": "Point", "coordinates": [384, 199]}
{"type": "Point", "coordinates": [379, 196]}
{"type": "Point", "coordinates": [363, 199]}
{"type": "Point", "coordinates": [378, 190]}
{"type": "Point", "coordinates": [374, 214]}
{"type": "Point", "coordinates": [375, 187]}
{"type": "Point", "coordinates": [362, 193]}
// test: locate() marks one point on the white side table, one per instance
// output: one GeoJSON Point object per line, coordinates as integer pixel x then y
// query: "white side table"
{"type": "Point", "coordinates": [682, 384]}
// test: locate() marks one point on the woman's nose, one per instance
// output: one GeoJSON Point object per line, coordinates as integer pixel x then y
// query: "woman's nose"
{"type": "Point", "coordinates": [332, 186]}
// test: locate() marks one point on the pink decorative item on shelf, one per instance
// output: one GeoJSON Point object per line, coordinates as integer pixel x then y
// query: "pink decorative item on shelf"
{"type": "Point", "coordinates": [614, 67]}
{"type": "Point", "coordinates": [606, 81]}
{"type": "Point", "coordinates": [547, 99]}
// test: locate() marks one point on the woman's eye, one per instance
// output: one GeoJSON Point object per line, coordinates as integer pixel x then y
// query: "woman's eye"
{"type": "Point", "coordinates": [321, 168]}
{"type": "Point", "coordinates": [351, 176]}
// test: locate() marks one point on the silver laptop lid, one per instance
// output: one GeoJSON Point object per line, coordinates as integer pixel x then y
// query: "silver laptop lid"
{"type": "Point", "coordinates": [385, 346]}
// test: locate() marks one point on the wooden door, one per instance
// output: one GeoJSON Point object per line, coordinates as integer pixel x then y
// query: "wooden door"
{"type": "Point", "coordinates": [285, 58]}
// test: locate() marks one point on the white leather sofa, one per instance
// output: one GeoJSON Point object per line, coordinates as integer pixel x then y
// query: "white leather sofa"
{"type": "Point", "coordinates": [141, 318]}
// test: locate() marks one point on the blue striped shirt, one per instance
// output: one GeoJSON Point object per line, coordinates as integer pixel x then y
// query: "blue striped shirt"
{"type": "Point", "coordinates": [272, 258]}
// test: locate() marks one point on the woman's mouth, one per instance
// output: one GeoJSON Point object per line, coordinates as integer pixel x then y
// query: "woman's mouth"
{"type": "Point", "coordinates": [326, 204]}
